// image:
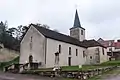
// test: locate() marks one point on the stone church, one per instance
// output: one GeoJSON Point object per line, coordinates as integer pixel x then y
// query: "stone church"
{"type": "Point", "coordinates": [41, 46]}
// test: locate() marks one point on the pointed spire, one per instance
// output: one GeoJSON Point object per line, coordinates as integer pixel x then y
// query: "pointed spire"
{"type": "Point", "coordinates": [76, 21]}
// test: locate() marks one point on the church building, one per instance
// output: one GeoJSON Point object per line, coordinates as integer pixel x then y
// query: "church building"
{"type": "Point", "coordinates": [41, 45]}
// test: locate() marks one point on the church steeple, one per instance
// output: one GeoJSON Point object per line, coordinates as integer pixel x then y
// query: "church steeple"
{"type": "Point", "coordinates": [77, 31]}
{"type": "Point", "coordinates": [76, 20]}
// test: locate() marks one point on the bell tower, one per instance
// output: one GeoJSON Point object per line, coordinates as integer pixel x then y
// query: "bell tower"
{"type": "Point", "coordinates": [77, 31]}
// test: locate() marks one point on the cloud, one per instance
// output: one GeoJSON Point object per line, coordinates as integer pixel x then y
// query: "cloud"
{"type": "Point", "coordinates": [100, 18]}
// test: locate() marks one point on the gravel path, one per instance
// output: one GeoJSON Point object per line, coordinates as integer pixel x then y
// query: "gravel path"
{"type": "Point", "coordinates": [114, 75]}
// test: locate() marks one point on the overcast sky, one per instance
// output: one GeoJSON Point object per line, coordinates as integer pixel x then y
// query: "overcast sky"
{"type": "Point", "coordinates": [100, 18]}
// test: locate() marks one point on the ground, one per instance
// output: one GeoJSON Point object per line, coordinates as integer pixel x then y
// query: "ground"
{"type": "Point", "coordinates": [111, 75]}
{"type": "Point", "coordinates": [10, 76]}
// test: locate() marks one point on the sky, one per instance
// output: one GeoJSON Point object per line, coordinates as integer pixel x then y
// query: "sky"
{"type": "Point", "coordinates": [100, 18]}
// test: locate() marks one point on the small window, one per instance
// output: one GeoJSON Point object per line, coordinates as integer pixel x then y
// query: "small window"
{"type": "Point", "coordinates": [97, 50]}
{"type": "Point", "coordinates": [69, 50]}
{"type": "Point", "coordinates": [90, 57]}
{"type": "Point", "coordinates": [81, 32]}
{"type": "Point", "coordinates": [59, 48]}
{"type": "Point", "coordinates": [31, 43]}
{"type": "Point", "coordinates": [83, 53]}
{"type": "Point", "coordinates": [110, 49]}
{"type": "Point", "coordinates": [103, 51]}
{"type": "Point", "coordinates": [97, 53]}
{"type": "Point", "coordinates": [31, 39]}
{"type": "Point", "coordinates": [76, 52]}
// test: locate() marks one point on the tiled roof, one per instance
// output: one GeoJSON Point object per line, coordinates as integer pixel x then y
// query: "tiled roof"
{"type": "Point", "coordinates": [107, 43]}
{"type": "Point", "coordinates": [117, 45]}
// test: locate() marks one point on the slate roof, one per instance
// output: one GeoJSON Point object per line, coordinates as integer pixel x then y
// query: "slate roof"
{"type": "Point", "coordinates": [65, 38]}
{"type": "Point", "coordinates": [77, 21]}
{"type": "Point", "coordinates": [58, 36]}
{"type": "Point", "coordinates": [92, 43]}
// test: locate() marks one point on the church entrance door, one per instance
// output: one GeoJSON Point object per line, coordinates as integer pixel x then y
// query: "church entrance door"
{"type": "Point", "coordinates": [31, 61]}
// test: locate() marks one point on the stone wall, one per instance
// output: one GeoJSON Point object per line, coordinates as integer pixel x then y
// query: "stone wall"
{"type": "Point", "coordinates": [7, 54]}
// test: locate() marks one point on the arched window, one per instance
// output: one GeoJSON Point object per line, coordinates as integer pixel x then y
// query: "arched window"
{"type": "Point", "coordinates": [90, 57]}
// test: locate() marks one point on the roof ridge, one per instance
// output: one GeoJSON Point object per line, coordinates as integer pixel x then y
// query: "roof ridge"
{"type": "Point", "coordinates": [59, 36]}
{"type": "Point", "coordinates": [58, 33]}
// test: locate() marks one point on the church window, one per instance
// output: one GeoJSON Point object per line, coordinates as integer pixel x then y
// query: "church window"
{"type": "Point", "coordinates": [59, 48]}
{"type": "Point", "coordinates": [31, 43]}
{"type": "Point", "coordinates": [76, 52]}
{"type": "Point", "coordinates": [103, 51]}
{"type": "Point", "coordinates": [110, 49]}
{"type": "Point", "coordinates": [90, 57]}
{"type": "Point", "coordinates": [81, 32]}
{"type": "Point", "coordinates": [83, 53]}
{"type": "Point", "coordinates": [69, 50]}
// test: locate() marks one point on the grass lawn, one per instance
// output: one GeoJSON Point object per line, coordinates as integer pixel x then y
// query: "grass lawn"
{"type": "Point", "coordinates": [87, 67]}
{"type": "Point", "coordinates": [84, 67]}
{"type": "Point", "coordinates": [68, 68]}
{"type": "Point", "coordinates": [111, 63]}
{"type": "Point", "coordinates": [72, 68]}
